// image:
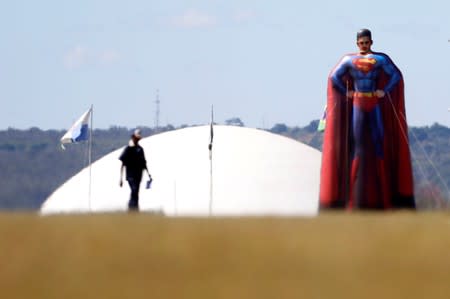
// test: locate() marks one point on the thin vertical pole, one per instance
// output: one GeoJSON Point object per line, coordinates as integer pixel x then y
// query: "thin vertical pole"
{"type": "Point", "coordinates": [210, 184]}
{"type": "Point", "coordinates": [90, 156]}
{"type": "Point", "coordinates": [211, 132]}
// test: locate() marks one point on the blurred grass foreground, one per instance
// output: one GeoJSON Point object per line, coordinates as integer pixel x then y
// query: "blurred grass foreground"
{"type": "Point", "coordinates": [334, 255]}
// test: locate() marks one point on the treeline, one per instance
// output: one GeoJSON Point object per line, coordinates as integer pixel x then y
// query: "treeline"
{"type": "Point", "coordinates": [33, 165]}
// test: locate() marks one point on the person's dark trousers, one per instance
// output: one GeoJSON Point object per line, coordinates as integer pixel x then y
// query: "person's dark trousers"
{"type": "Point", "coordinates": [133, 204]}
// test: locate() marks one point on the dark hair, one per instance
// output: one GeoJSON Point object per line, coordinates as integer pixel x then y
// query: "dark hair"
{"type": "Point", "coordinates": [363, 33]}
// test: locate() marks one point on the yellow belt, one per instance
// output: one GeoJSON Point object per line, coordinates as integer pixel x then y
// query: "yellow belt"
{"type": "Point", "coordinates": [364, 94]}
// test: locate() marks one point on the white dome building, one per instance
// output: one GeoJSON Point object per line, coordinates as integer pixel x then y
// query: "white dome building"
{"type": "Point", "coordinates": [254, 172]}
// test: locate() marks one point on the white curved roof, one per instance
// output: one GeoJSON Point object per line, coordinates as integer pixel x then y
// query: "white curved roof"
{"type": "Point", "coordinates": [254, 172]}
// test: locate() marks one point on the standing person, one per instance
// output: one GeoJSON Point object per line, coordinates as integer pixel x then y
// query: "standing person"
{"type": "Point", "coordinates": [133, 159]}
{"type": "Point", "coordinates": [366, 160]}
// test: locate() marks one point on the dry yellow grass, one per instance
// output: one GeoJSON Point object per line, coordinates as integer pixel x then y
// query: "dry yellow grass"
{"type": "Point", "coordinates": [335, 255]}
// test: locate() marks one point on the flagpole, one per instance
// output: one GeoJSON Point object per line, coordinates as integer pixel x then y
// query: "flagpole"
{"type": "Point", "coordinates": [211, 162]}
{"type": "Point", "coordinates": [90, 156]}
{"type": "Point", "coordinates": [82, 131]}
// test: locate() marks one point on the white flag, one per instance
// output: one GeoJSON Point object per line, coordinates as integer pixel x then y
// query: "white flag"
{"type": "Point", "coordinates": [79, 130]}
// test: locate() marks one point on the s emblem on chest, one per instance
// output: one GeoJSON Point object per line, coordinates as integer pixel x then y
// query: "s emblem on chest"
{"type": "Point", "coordinates": [364, 65]}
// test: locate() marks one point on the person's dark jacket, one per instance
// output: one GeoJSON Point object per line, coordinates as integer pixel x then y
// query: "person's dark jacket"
{"type": "Point", "coordinates": [133, 158]}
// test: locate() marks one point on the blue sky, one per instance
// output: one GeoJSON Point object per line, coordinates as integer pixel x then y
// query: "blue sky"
{"type": "Point", "coordinates": [266, 62]}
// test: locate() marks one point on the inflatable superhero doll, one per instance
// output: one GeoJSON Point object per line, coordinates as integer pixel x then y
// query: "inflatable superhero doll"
{"type": "Point", "coordinates": [366, 161]}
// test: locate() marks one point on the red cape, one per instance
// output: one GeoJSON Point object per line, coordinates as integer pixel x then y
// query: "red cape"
{"type": "Point", "coordinates": [396, 175]}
